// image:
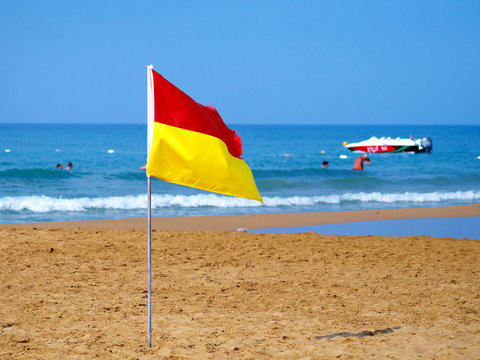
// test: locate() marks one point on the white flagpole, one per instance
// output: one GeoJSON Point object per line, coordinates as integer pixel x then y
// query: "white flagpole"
{"type": "Point", "coordinates": [150, 120]}
{"type": "Point", "coordinates": [149, 237]}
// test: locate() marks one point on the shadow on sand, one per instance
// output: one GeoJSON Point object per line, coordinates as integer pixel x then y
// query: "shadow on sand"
{"type": "Point", "coordinates": [360, 334]}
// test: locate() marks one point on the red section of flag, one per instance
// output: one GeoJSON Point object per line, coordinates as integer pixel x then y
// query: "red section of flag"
{"type": "Point", "coordinates": [175, 108]}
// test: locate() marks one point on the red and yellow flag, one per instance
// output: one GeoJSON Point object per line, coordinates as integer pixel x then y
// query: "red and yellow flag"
{"type": "Point", "coordinates": [189, 144]}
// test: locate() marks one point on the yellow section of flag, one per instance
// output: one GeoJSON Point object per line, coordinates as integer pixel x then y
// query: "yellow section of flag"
{"type": "Point", "coordinates": [198, 160]}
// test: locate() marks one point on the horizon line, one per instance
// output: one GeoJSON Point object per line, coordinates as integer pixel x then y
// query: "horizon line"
{"type": "Point", "coordinates": [253, 124]}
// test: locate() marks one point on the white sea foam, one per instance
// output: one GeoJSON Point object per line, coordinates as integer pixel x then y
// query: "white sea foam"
{"type": "Point", "coordinates": [43, 204]}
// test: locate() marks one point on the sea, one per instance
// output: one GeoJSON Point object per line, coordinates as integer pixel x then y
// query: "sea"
{"type": "Point", "coordinates": [106, 181]}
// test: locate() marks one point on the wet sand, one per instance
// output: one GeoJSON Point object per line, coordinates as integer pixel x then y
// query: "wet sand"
{"type": "Point", "coordinates": [261, 221]}
{"type": "Point", "coordinates": [82, 293]}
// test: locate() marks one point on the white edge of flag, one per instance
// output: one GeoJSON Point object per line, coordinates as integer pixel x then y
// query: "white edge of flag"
{"type": "Point", "coordinates": [150, 109]}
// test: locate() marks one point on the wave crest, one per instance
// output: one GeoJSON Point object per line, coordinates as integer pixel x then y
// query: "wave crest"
{"type": "Point", "coordinates": [44, 204]}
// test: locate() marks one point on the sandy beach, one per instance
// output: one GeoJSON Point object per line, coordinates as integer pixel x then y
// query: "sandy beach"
{"type": "Point", "coordinates": [79, 290]}
{"type": "Point", "coordinates": [260, 221]}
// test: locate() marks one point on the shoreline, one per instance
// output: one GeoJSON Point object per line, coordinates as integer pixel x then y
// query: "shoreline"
{"type": "Point", "coordinates": [258, 221]}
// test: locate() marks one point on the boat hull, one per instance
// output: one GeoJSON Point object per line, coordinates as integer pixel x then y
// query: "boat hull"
{"type": "Point", "coordinates": [386, 149]}
{"type": "Point", "coordinates": [388, 145]}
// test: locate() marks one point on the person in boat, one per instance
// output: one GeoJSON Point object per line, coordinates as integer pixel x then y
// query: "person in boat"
{"type": "Point", "coordinates": [358, 165]}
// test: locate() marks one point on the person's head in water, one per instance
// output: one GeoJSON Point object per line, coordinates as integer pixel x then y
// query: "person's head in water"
{"type": "Point", "coordinates": [59, 166]}
{"type": "Point", "coordinates": [69, 166]}
{"type": "Point", "coordinates": [325, 164]}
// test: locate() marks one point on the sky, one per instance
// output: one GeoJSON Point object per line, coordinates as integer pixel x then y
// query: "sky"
{"type": "Point", "coordinates": [258, 62]}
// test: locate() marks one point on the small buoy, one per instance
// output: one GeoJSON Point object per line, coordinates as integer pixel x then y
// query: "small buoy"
{"type": "Point", "coordinates": [343, 156]}
{"type": "Point", "coordinates": [7, 150]}
{"type": "Point", "coordinates": [323, 151]}
{"type": "Point", "coordinates": [110, 151]}
{"type": "Point", "coordinates": [57, 150]}
{"type": "Point", "coordinates": [287, 155]}
{"type": "Point", "coordinates": [345, 143]}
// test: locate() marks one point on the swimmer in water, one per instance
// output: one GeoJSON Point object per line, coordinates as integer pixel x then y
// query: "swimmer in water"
{"type": "Point", "coordinates": [358, 165]}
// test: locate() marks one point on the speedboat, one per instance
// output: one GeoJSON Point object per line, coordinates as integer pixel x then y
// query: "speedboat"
{"type": "Point", "coordinates": [389, 145]}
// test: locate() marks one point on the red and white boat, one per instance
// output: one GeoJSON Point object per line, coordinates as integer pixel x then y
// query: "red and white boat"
{"type": "Point", "coordinates": [389, 145]}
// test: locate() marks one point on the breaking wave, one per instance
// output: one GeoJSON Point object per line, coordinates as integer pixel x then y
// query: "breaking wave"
{"type": "Point", "coordinates": [45, 204]}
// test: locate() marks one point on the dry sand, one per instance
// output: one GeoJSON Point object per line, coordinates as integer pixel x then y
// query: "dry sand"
{"type": "Point", "coordinates": [81, 294]}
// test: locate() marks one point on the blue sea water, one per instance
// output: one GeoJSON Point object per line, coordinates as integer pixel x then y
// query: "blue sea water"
{"type": "Point", "coordinates": [286, 160]}
{"type": "Point", "coordinates": [455, 227]}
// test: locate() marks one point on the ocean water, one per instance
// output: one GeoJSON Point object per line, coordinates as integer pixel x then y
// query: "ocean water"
{"type": "Point", "coordinates": [286, 160]}
{"type": "Point", "coordinates": [454, 227]}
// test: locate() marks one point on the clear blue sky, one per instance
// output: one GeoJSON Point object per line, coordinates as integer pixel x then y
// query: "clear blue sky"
{"type": "Point", "coordinates": [258, 62]}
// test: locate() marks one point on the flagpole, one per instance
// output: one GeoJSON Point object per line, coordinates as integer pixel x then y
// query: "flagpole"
{"type": "Point", "coordinates": [149, 238]}
{"type": "Point", "coordinates": [150, 116]}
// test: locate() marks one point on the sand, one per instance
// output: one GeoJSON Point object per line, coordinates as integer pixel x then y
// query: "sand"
{"type": "Point", "coordinates": [81, 293]}
{"type": "Point", "coordinates": [262, 221]}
